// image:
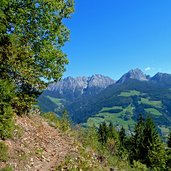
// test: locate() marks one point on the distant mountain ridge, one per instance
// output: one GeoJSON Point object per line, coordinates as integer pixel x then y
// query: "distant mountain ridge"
{"type": "Point", "coordinates": [162, 78]}
{"type": "Point", "coordinates": [72, 88]}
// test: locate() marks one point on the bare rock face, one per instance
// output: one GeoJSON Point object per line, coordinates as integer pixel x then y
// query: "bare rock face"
{"type": "Point", "coordinates": [72, 88]}
{"type": "Point", "coordinates": [136, 74]}
{"type": "Point", "coordinates": [100, 81]}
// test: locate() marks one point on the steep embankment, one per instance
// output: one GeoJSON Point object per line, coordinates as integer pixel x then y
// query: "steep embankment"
{"type": "Point", "coordinates": [36, 145]}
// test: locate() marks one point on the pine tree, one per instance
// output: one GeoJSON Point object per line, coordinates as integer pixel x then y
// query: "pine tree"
{"type": "Point", "coordinates": [147, 146]}
{"type": "Point", "coordinates": [113, 139]}
{"type": "Point", "coordinates": [136, 147]}
{"type": "Point", "coordinates": [65, 120]}
{"type": "Point", "coordinates": [169, 151]}
{"type": "Point", "coordinates": [111, 130]}
{"type": "Point", "coordinates": [103, 133]}
{"type": "Point", "coordinates": [156, 157]}
{"type": "Point", "coordinates": [124, 144]}
{"type": "Point", "coordinates": [122, 136]}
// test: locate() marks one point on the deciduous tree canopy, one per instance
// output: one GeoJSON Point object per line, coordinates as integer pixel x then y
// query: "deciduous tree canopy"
{"type": "Point", "coordinates": [31, 36]}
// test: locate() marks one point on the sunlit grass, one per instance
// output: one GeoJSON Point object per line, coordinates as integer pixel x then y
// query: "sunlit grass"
{"type": "Point", "coordinates": [130, 93]}
{"type": "Point", "coordinates": [157, 104]}
{"type": "Point", "coordinates": [116, 118]}
{"type": "Point", "coordinates": [153, 111]}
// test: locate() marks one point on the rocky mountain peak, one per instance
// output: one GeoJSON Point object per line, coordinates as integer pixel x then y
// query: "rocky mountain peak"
{"type": "Point", "coordinates": [100, 81]}
{"type": "Point", "coordinates": [136, 74]}
{"type": "Point", "coordinates": [162, 77]}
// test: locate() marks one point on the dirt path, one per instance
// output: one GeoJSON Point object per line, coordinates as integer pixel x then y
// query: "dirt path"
{"type": "Point", "coordinates": [40, 147]}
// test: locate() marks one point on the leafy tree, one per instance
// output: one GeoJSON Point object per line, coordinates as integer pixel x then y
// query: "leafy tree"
{"type": "Point", "coordinates": [31, 36]}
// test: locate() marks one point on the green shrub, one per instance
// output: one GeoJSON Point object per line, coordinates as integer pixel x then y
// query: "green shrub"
{"type": "Point", "coordinates": [7, 168]}
{"type": "Point", "coordinates": [6, 123]}
{"type": "Point", "coordinates": [18, 132]}
{"type": "Point", "coordinates": [65, 121]}
{"type": "Point", "coordinates": [83, 160]}
{"type": "Point", "coordinates": [62, 123]}
{"type": "Point", "coordinates": [52, 119]}
{"type": "Point", "coordinates": [3, 152]}
{"type": "Point", "coordinates": [6, 111]}
{"type": "Point", "coordinates": [139, 166]}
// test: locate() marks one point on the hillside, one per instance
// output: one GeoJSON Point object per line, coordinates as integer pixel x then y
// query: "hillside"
{"type": "Point", "coordinates": [36, 145]}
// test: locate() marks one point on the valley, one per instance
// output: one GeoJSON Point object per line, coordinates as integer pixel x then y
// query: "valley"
{"type": "Point", "coordinates": [119, 102]}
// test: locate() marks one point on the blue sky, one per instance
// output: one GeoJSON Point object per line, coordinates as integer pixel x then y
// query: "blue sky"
{"type": "Point", "coordinates": [110, 37]}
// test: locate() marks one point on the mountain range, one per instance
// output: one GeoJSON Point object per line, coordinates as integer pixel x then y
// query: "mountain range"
{"type": "Point", "coordinates": [72, 88]}
{"type": "Point", "coordinates": [92, 100]}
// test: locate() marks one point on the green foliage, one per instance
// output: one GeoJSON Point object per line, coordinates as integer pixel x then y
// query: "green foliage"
{"type": "Point", "coordinates": [123, 152]}
{"type": "Point", "coordinates": [65, 120]}
{"type": "Point", "coordinates": [108, 137]}
{"type": "Point", "coordinates": [84, 156]}
{"type": "Point", "coordinates": [18, 132]}
{"type": "Point", "coordinates": [31, 36]}
{"type": "Point", "coordinates": [6, 123]}
{"type": "Point", "coordinates": [3, 151]}
{"type": "Point", "coordinates": [168, 163]}
{"type": "Point", "coordinates": [146, 146]}
{"type": "Point", "coordinates": [62, 123]}
{"type": "Point", "coordinates": [104, 146]}
{"type": "Point", "coordinates": [89, 137]}
{"type": "Point", "coordinates": [6, 112]}
{"type": "Point", "coordinates": [83, 160]}
{"type": "Point", "coordinates": [112, 146]}
{"type": "Point", "coordinates": [103, 133]}
{"type": "Point", "coordinates": [39, 152]}
{"type": "Point", "coordinates": [139, 166]}
{"type": "Point", "coordinates": [122, 136]}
